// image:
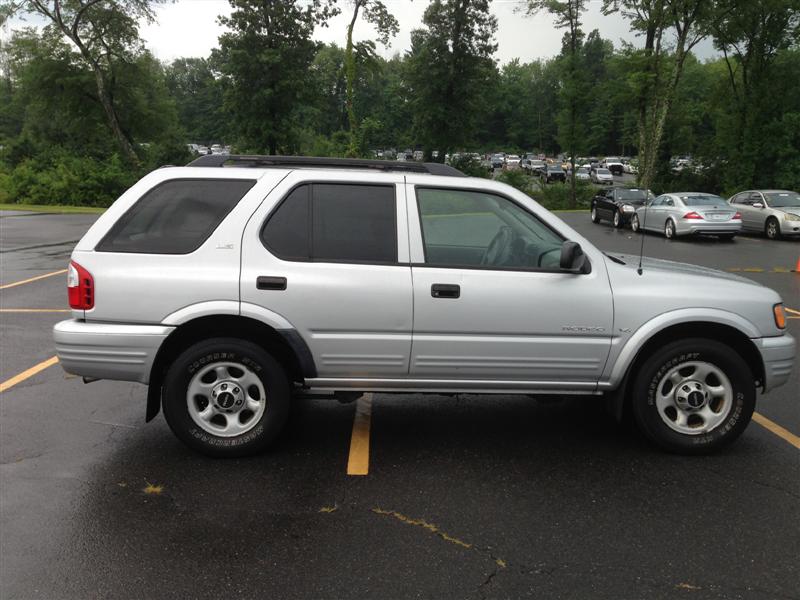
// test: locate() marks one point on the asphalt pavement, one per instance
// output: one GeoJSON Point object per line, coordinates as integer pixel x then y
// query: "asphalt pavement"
{"type": "Point", "coordinates": [465, 496]}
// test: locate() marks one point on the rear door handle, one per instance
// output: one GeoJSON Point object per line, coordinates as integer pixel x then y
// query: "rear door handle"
{"type": "Point", "coordinates": [271, 283]}
{"type": "Point", "coordinates": [445, 290]}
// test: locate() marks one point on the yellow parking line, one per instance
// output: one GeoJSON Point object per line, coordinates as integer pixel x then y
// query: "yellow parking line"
{"type": "Point", "coordinates": [37, 278]}
{"type": "Point", "coordinates": [34, 310]}
{"type": "Point", "coordinates": [358, 462]}
{"type": "Point", "coordinates": [793, 311]}
{"type": "Point", "coordinates": [9, 383]}
{"type": "Point", "coordinates": [782, 433]}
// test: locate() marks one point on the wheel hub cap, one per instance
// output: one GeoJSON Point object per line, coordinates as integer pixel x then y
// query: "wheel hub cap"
{"type": "Point", "coordinates": [691, 395]}
{"type": "Point", "coordinates": [227, 396]}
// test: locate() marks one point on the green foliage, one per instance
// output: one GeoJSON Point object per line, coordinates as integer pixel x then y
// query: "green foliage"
{"type": "Point", "coordinates": [558, 196]}
{"type": "Point", "coordinates": [449, 68]}
{"type": "Point", "coordinates": [470, 166]}
{"type": "Point", "coordinates": [58, 177]}
{"type": "Point", "coordinates": [518, 179]}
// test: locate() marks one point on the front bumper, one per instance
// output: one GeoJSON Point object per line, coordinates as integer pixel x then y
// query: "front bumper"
{"type": "Point", "coordinates": [789, 227]}
{"type": "Point", "coordinates": [778, 356]}
{"type": "Point", "coordinates": [108, 351]}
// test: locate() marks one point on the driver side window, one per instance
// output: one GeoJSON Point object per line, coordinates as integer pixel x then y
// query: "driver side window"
{"type": "Point", "coordinates": [475, 229]}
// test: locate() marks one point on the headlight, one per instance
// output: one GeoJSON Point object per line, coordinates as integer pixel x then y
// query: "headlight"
{"type": "Point", "coordinates": [790, 217]}
{"type": "Point", "coordinates": [627, 208]}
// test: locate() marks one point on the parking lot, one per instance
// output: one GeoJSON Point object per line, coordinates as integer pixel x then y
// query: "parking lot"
{"type": "Point", "coordinates": [465, 496]}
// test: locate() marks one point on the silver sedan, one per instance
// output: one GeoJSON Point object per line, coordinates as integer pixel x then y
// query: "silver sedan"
{"type": "Point", "coordinates": [688, 213]}
{"type": "Point", "coordinates": [774, 212]}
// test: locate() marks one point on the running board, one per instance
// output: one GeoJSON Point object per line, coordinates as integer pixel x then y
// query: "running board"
{"type": "Point", "coordinates": [319, 385]}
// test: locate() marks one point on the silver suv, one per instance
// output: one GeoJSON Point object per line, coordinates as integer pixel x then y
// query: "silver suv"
{"type": "Point", "coordinates": [232, 291]}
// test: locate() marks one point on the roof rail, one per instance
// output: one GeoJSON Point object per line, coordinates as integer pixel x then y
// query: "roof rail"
{"type": "Point", "coordinates": [243, 160]}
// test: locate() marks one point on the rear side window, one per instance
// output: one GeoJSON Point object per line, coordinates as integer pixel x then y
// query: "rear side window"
{"type": "Point", "coordinates": [175, 217]}
{"type": "Point", "coordinates": [336, 223]}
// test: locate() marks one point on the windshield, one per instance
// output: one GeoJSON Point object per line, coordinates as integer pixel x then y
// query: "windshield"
{"type": "Point", "coordinates": [635, 196]}
{"type": "Point", "coordinates": [603, 172]}
{"type": "Point", "coordinates": [583, 170]}
{"type": "Point", "coordinates": [555, 167]}
{"type": "Point", "coordinates": [783, 199]}
{"type": "Point", "coordinates": [704, 200]}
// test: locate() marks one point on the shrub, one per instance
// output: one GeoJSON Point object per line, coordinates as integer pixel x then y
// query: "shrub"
{"type": "Point", "coordinates": [470, 166]}
{"type": "Point", "coordinates": [558, 196]}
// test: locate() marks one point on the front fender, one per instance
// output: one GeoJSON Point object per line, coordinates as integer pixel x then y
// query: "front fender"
{"type": "Point", "coordinates": [624, 350]}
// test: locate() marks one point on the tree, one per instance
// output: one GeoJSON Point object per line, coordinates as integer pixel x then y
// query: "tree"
{"type": "Point", "coordinates": [262, 60]}
{"type": "Point", "coordinates": [375, 13]}
{"type": "Point", "coordinates": [567, 15]}
{"type": "Point", "coordinates": [106, 34]}
{"type": "Point", "coordinates": [448, 72]}
{"type": "Point", "coordinates": [750, 36]}
{"type": "Point", "coordinates": [198, 98]}
{"type": "Point", "coordinates": [660, 73]}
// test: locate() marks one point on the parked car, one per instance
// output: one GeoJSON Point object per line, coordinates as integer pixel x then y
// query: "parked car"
{"type": "Point", "coordinates": [234, 292]}
{"type": "Point", "coordinates": [630, 167]}
{"type": "Point", "coordinates": [613, 164]}
{"type": "Point", "coordinates": [688, 213]}
{"type": "Point", "coordinates": [537, 167]}
{"type": "Point", "coordinates": [512, 161]}
{"type": "Point", "coordinates": [602, 176]}
{"type": "Point", "coordinates": [618, 204]}
{"type": "Point", "coordinates": [774, 212]}
{"type": "Point", "coordinates": [582, 174]}
{"type": "Point", "coordinates": [553, 173]}
{"type": "Point", "coordinates": [498, 161]}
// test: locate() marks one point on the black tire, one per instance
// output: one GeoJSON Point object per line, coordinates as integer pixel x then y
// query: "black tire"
{"type": "Point", "coordinates": [262, 364]}
{"type": "Point", "coordinates": [645, 386]}
{"type": "Point", "coordinates": [772, 229]}
{"type": "Point", "coordinates": [617, 221]}
{"type": "Point", "coordinates": [635, 225]}
{"type": "Point", "coordinates": [669, 229]}
{"type": "Point", "coordinates": [595, 216]}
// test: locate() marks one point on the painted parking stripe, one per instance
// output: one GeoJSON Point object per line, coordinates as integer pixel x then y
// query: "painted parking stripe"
{"type": "Point", "coordinates": [34, 310]}
{"type": "Point", "coordinates": [781, 432]}
{"type": "Point", "coordinates": [358, 462]}
{"type": "Point", "coordinates": [32, 279]}
{"type": "Point", "coordinates": [9, 383]}
{"type": "Point", "coordinates": [791, 310]}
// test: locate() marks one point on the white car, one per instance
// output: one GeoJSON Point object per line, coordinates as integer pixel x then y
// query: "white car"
{"type": "Point", "coordinates": [583, 174]}
{"type": "Point", "coordinates": [512, 161]}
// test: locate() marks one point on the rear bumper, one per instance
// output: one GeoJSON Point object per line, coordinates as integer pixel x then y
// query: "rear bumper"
{"type": "Point", "coordinates": [108, 351]}
{"type": "Point", "coordinates": [708, 228]}
{"type": "Point", "coordinates": [778, 356]}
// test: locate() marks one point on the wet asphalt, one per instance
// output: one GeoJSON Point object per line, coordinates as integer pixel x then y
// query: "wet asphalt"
{"type": "Point", "coordinates": [466, 497]}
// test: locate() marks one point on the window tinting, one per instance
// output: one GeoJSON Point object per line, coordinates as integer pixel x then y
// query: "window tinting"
{"type": "Point", "coordinates": [175, 217]}
{"type": "Point", "coordinates": [335, 222]}
{"type": "Point", "coordinates": [354, 223]}
{"type": "Point", "coordinates": [474, 229]}
{"type": "Point", "coordinates": [286, 233]}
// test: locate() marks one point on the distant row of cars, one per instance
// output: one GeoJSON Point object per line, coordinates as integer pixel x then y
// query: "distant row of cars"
{"type": "Point", "coordinates": [201, 150]}
{"type": "Point", "coordinates": [775, 213]}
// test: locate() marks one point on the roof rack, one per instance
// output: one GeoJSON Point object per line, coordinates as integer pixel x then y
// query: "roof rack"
{"type": "Point", "coordinates": [243, 160]}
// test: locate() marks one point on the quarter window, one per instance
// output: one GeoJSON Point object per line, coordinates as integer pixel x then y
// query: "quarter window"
{"type": "Point", "coordinates": [475, 229]}
{"type": "Point", "coordinates": [175, 217]}
{"type": "Point", "coordinates": [335, 222]}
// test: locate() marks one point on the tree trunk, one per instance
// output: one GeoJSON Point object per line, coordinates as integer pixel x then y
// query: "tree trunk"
{"type": "Point", "coordinates": [350, 75]}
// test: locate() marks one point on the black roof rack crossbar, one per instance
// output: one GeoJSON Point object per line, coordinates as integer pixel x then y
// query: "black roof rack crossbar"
{"type": "Point", "coordinates": [243, 160]}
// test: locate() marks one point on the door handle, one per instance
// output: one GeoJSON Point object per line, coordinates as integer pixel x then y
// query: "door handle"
{"type": "Point", "coordinates": [445, 290]}
{"type": "Point", "coordinates": [271, 283]}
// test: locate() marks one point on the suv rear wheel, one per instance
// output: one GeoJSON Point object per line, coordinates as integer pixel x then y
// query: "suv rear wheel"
{"type": "Point", "coordinates": [595, 215]}
{"type": "Point", "coordinates": [693, 396]}
{"type": "Point", "coordinates": [226, 397]}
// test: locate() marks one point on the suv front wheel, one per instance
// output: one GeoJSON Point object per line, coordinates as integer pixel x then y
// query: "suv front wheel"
{"type": "Point", "coordinates": [693, 396]}
{"type": "Point", "coordinates": [226, 397]}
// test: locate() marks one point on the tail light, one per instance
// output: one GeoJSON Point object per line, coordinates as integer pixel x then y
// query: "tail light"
{"type": "Point", "coordinates": [80, 287]}
{"type": "Point", "coordinates": [737, 217]}
{"type": "Point", "coordinates": [692, 215]}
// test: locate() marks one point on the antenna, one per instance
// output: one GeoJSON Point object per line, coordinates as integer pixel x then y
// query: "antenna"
{"type": "Point", "coordinates": [643, 233]}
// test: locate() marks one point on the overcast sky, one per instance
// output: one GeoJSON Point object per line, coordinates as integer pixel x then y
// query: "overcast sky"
{"type": "Point", "coordinates": [190, 28]}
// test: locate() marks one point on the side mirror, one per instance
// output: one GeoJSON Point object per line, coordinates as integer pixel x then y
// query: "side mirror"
{"type": "Point", "coordinates": [573, 260]}
{"type": "Point", "coordinates": [758, 205]}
